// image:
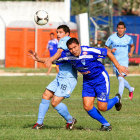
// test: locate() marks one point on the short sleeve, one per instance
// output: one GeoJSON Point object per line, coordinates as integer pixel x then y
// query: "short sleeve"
{"type": "Point", "coordinates": [131, 41]}
{"type": "Point", "coordinates": [108, 42]}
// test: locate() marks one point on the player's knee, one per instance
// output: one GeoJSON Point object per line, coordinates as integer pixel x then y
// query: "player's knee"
{"type": "Point", "coordinates": [102, 108]}
{"type": "Point", "coordinates": [88, 107]}
{"type": "Point", "coordinates": [47, 96]}
{"type": "Point", "coordinates": [54, 103]}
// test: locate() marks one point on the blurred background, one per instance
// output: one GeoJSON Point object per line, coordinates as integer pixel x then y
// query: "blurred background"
{"type": "Point", "coordinates": [91, 21]}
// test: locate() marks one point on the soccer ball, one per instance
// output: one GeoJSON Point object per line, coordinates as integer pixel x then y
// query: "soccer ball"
{"type": "Point", "coordinates": [41, 17]}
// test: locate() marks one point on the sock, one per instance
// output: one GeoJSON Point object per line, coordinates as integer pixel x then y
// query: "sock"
{"type": "Point", "coordinates": [43, 108]}
{"type": "Point", "coordinates": [63, 111]}
{"type": "Point", "coordinates": [112, 102]}
{"type": "Point", "coordinates": [126, 84]}
{"type": "Point", "coordinates": [121, 85]}
{"type": "Point", "coordinates": [94, 113]}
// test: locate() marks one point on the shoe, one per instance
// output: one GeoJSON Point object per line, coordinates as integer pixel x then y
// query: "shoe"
{"type": "Point", "coordinates": [131, 94]}
{"type": "Point", "coordinates": [119, 104]}
{"type": "Point", "coordinates": [37, 126]}
{"type": "Point", "coordinates": [106, 128]}
{"type": "Point", "coordinates": [71, 125]}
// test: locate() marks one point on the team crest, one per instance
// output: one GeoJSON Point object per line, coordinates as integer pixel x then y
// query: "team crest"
{"type": "Point", "coordinates": [84, 53]}
{"type": "Point", "coordinates": [68, 54]}
{"type": "Point", "coordinates": [83, 61]}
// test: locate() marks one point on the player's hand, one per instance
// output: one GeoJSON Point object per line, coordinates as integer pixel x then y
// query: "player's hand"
{"type": "Point", "coordinates": [33, 55]}
{"type": "Point", "coordinates": [123, 69]}
{"type": "Point", "coordinates": [130, 54]}
{"type": "Point", "coordinates": [48, 62]}
{"type": "Point", "coordinates": [113, 50]}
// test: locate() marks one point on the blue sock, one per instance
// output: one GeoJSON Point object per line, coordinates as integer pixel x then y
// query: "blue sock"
{"type": "Point", "coordinates": [43, 108]}
{"type": "Point", "coordinates": [112, 102]}
{"type": "Point", "coordinates": [126, 84]}
{"type": "Point", "coordinates": [63, 111]}
{"type": "Point", "coordinates": [94, 113]}
{"type": "Point", "coordinates": [121, 85]}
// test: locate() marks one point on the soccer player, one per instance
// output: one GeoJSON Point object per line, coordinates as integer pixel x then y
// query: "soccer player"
{"type": "Point", "coordinates": [120, 44]}
{"type": "Point", "coordinates": [61, 87]}
{"type": "Point", "coordinates": [52, 47]}
{"type": "Point", "coordinates": [95, 78]}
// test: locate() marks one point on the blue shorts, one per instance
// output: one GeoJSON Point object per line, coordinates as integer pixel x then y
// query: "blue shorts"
{"type": "Point", "coordinates": [117, 72]}
{"type": "Point", "coordinates": [98, 87]}
{"type": "Point", "coordinates": [62, 87]}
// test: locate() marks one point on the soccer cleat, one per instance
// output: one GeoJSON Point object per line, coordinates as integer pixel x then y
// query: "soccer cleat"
{"type": "Point", "coordinates": [106, 128]}
{"type": "Point", "coordinates": [119, 104]}
{"type": "Point", "coordinates": [37, 126]}
{"type": "Point", "coordinates": [131, 94]}
{"type": "Point", "coordinates": [71, 125]}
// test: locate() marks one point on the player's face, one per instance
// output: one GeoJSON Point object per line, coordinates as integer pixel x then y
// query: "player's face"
{"type": "Point", "coordinates": [61, 34]}
{"type": "Point", "coordinates": [121, 30]}
{"type": "Point", "coordinates": [75, 49]}
{"type": "Point", "coordinates": [51, 36]}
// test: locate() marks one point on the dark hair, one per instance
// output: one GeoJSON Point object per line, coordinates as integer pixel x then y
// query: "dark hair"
{"type": "Point", "coordinates": [72, 40]}
{"type": "Point", "coordinates": [65, 28]}
{"type": "Point", "coordinates": [52, 33]}
{"type": "Point", "coordinates": [121, 23]}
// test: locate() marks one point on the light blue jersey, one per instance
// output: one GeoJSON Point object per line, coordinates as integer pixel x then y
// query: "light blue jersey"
{"type": "Point", "coordinates": [122, 45]}
{"type": "Point", "coordinates": [65, 70]}
{"type": "Point", "coordinates": [66, 80]}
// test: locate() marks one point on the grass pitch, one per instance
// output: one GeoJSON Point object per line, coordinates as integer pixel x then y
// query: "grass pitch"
{"type": "Point", "coordinates": [20, 98]}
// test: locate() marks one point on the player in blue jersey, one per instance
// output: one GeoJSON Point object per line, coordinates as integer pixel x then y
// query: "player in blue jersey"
{"type": "Point", "coordinates": [120, 43]}
{"type": "Point", "coordinates": [95, 78]}
{"type": "Point", "coordinates": [62, 86]}
{"type": "Point", "coordinates": [52, 47]}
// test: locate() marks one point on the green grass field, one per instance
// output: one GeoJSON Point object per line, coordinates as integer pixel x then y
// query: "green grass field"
{"type": "Point", "coordinates": [20, 98]}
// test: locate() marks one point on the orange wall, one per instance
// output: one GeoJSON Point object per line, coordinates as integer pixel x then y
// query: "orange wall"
{"type": "Point", "coordinates": [20, 40]}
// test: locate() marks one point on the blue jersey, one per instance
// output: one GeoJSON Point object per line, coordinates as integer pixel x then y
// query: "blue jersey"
{"type": "Point", "coordinates": [66, 69]}
{"type": "Point", "coordinates": [122, 45]}
{"type": "Point", "coordinates": [52, 46]}
{"type": "Point", "coordinates": [87, 63]}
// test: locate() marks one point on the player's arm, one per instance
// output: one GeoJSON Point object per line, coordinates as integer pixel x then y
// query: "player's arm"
{"type": "Point", "coordinates": [120, 68]}
{"type": "Point", "coordinates": [132, 48]}
{"type": "Point", "coordinates": [35, 57]}
{"type": "Point", "coordinates": [50, 60]}
{"type": "Point", "coordinates": [111, 50]}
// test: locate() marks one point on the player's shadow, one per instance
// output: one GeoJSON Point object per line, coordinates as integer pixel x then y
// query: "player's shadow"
{"type": "Point", "coordinates": [44, 127]}
{"type": "Point", "coordinates": [59, 127]}
{"type": "Point", "coordinates": [82, 128]}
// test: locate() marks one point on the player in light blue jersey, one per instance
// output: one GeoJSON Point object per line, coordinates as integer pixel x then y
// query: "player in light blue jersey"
{"type": "Point", "coordinates": [95, 78]}
{"type": "Point", "coordinates": [62, 86]}
{"type": "Point", "coordinates": [120, 43]}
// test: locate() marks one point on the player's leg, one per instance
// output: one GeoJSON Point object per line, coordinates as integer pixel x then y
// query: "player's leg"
{"type": "Point", "coordinates": [43, 108]}
{"type": "Point", "coordinates": [49, 70]}
{"type": "Point", "coordinates": [131, 89]}
{"type": "Point", "coordinates": [88, 103]}
{"type": "Point", "coordinates": [102, 90]}
{"type": "Point", "coordinates": [65, 88]}
{"type": "Point", "coordinates": [120, 80]}
{"type": "Point", "coordinates": [57, 68]}
{"type": "Point", "coordinates": [44, 105]}
{"type": "Point", "coordinates": [62, 109]}
{"type": "Point", "coordinates": [121, 85]}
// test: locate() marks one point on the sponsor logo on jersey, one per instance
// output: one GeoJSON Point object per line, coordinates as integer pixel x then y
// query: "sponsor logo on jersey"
{"type": "Point", "coordinates": [83, 61]}
{"type": "Point", "coordinates": [84, 53]}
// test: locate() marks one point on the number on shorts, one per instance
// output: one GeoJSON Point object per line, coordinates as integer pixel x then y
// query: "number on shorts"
{"type": "Point", "coordinates": [63, 87]}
